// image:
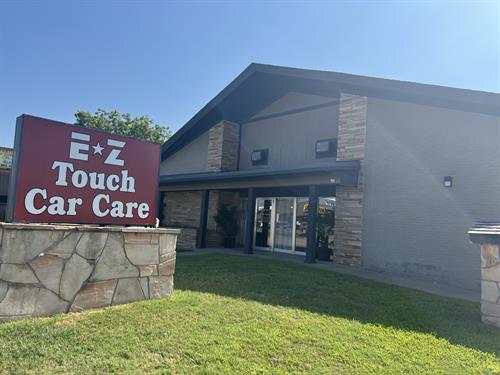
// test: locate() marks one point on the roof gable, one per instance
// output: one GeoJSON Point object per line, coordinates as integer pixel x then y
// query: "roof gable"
{"type": "Point", "coordinates": [260, 84]}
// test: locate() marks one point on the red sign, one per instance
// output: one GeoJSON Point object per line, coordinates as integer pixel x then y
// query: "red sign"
{"type": "Point", "coordinates": [68, 174]}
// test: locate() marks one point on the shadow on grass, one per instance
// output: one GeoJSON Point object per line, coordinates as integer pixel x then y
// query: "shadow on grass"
{"type": "Point", "coordinates": [292, 285]}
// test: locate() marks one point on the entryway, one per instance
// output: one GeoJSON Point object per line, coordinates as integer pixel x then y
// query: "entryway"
{"type": "Point", "coordinates": [280, 224]}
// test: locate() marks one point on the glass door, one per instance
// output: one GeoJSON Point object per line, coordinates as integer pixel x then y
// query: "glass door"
{"type": "Point", "coordinates": [284, 228]}
{"type": "Point", "coordinates": [264, 223]}
{"type": "Point", "coordinates": [302, 205]}
{"type": "Point", "coordinates": [281, 224]}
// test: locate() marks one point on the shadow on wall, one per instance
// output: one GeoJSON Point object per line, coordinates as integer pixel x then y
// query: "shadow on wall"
{"type": "Point", "coordinates": [281, 283]}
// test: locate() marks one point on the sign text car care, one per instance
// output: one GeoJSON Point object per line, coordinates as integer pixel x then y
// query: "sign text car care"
{"type": "Point", "coordinates": [64, 173]}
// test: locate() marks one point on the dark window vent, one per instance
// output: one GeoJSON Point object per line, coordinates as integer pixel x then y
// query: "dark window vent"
{"type": "Point", "coordinates": [326, 148]}
{"type": "Point", "coordinates": [260, 157]}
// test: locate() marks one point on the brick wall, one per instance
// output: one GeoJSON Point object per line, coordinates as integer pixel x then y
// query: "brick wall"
{"type": "Point", "coordinates": [223, 141]}
{"type": "Point", "coordinates": [349, 210]}
{"type": "Point", "coordinates": [182, 210]}
{"type": "Point", "coordinates": [215, 236]}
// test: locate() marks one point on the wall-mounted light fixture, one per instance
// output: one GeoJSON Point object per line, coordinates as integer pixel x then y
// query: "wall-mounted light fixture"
{"type": "Point", "coordinates": [448, 181]}
{"type": "Point", "coordinates": [335, 180]}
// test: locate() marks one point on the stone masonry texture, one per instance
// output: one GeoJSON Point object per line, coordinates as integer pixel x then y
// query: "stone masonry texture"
{"type": "Point", "coordinates": [182, 209]}
{"type": "Point", "coordinates": [215, 236]}
{"type": "Point", "coordinates": [222, 156]}
{"type": "Point", "coordinates": [49, 269]}
{"type": "Point", "coordinates": [223, 141]}
{"type": "Point", "coordinates": [490, 283]}
{"type": "Point", "coordinates": [349, 210]}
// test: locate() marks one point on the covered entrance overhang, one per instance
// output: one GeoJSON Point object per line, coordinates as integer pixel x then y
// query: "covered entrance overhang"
{"type": "Point", "coordinates": [309, 183]}
{"type": "Point", "coordinates": [343, 173]}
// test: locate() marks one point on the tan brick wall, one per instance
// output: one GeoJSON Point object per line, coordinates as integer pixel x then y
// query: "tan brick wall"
{"type": "Point", "coordinates": [187, 239]}
{"type": "Point", "coordinates": [215, 236]}
{"type": "Point", "coordinates": [349, 210]}
{"type": "Point", "coordinates": [223, 141]}
{"type": "Point", "coordinates": [490, 284]}
{"type": "Point", "coordinates": [352, 127]}
{"type": "Point", "coordinates": [182, 210]}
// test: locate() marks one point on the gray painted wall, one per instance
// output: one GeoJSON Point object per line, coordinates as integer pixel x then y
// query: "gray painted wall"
{"type": "Point", "coordinates": [296, 121]}
{"type": "Point", "coordinates": [290, 137]}
{"type": "Point", "coordinates": [189, 159]}
{"type": "Point", "coordinates": [412, 224]}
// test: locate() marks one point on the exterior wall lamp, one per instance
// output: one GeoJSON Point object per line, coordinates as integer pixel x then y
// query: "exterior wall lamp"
{"type": "Point", "coordinates": [448, 181]}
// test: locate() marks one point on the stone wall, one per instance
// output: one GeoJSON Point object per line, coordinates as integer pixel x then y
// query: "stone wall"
{"type": "Point", "coordinates": [349, 209]}
{"type": "Point", "coordinates": [490, 284]}
{"type": "Point", "coordinates": [488, 235]}
{"type": "Point", "coordinates": [49, 269]}
{"type": "Point", "coordinates": [181, 209]}
{"type": "Point", "coordinates": [223, 140]}
{"type": "Point", "coordinates": [215, 236]}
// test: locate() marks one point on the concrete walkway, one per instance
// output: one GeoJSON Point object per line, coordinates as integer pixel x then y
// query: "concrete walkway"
{"type": "Point", "coordinates": [386, 278]}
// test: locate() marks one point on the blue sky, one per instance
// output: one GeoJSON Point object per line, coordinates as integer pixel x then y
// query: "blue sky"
{"type": "Point", "coordinates": [168, 59]}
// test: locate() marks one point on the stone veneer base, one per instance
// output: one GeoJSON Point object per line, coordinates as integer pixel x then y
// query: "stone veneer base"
{"type": "Point", "coordinates": [488, 236]}
{"type": "Point", "coordinates": [47, 269]}
{"type": "Point", "coordinates": [490, 284]}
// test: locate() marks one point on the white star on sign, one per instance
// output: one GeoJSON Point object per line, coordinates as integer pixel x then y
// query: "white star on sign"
{"type": "Point", "coordinates": [98, 149]}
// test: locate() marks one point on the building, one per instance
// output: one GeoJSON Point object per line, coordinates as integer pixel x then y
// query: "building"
{"type": "Point", "coordinates": [5, 168]}
{"type": "Point", "coordinates": [406, 168]}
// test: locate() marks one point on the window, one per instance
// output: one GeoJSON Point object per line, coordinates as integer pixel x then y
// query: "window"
{"type": "Point", "coordinates": [326, 148]}
{"type": "Point", "coordinates": [260, 157]}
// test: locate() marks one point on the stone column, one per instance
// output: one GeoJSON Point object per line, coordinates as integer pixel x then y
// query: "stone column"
{"type": "Point", "coordinates": [349, 209]}
{"type": "Point", "coordinates": [194, 211]}
{"type": "Point", "coordinates": [223, 140]}
{"type": "Point", "coordinates": [182, 210]}
{"type": "Point", "coordinates": [214, 235]}
{"type": "Point", "coordinates": [488, 235]}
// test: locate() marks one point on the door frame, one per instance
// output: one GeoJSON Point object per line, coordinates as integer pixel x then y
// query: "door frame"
{"type": "Point", "coordinates": [272, 222]}
{"type": "Point", "coordinates": [272, 247]}
{"type": "Point", "coordinates": [294, 221]}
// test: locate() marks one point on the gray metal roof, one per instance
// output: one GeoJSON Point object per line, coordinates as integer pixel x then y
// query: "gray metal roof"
{"type": "Point", "coordinates": [348, 170]}
{"type": "Point", "coordinates": [260, 84]}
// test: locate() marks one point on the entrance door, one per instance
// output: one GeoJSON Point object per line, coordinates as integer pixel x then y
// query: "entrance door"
{"type": "Point", "coordinates": [264, 223]}
{"type": "Point", "coordinates": [275, 224]}
{"type": "Point", "coordinates": [284, 228]}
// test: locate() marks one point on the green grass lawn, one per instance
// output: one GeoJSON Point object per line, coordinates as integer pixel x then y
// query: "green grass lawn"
{"type": "Point", "coordinates": [233, 314]}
